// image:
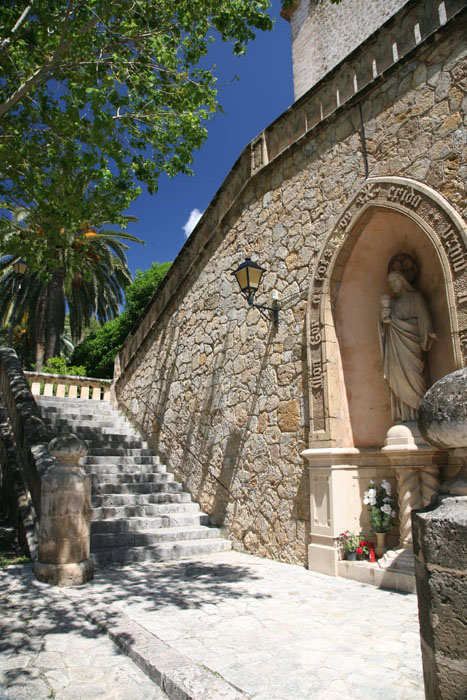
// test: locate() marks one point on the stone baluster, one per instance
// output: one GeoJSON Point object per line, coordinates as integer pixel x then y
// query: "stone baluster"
{"type": "Point", "coordinates": [63, 558]}
{"type": "Point", "coordinates": [417, 469]}
{"type": "Point", "coordinates": [409, 497]}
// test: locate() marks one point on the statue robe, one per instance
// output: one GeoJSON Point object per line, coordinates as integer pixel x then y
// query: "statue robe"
{"type": "Point", "coordinates": [404, 342]}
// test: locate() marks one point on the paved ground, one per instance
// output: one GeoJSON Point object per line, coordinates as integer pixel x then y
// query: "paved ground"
{"type": "Point", "coordinates": [219, 626]}
{"type": "Point", "coordinates": [48, 649]}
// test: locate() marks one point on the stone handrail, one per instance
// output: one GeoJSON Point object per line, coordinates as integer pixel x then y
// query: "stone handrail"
{"type": "Point", "coordinates": [60, 490]}
{"type": "Point", "coordinates": [68, 386]}
{"type": "Point", "coordinates": [29, 430]}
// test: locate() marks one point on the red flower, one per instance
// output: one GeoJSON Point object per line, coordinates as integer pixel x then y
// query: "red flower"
{"type": "Point", "coordinates": [359, 550]}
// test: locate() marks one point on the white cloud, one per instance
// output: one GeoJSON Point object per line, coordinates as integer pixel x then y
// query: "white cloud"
{"type": "Point", "coordinates": [193, 219]}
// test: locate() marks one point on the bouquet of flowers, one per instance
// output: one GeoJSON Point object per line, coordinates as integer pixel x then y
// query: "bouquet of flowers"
{"type": "Point", "coordinates": [349, 541]}
{"type": "Point", "coordinates": [363, 549]}
{"type": "Point", "coordinates": [381, 506]}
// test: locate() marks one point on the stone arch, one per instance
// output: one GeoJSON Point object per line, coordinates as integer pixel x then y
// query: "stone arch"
{"type": "Point", "coordinates": [433, 220]}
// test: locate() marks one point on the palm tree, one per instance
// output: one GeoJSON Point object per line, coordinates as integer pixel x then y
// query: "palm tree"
{"type": "Point", "coordinates": [89, 274]}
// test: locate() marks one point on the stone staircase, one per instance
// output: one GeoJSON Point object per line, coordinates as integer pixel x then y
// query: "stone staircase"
{"type": "Point", "coordinates": [139, 512]}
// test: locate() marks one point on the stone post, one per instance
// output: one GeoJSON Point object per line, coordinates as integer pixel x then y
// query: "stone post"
{"type": "Point", "coordinates": [440, 547]}
{"type": "Point", "coordinates": [63, 558]}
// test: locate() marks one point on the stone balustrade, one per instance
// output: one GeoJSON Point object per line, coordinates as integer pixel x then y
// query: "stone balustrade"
{"type": "Point", "coordinates": [68, 386]}
{"type": "Point", "coordinates": [58, 489]}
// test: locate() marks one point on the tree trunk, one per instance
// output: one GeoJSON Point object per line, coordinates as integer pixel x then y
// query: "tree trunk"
{"type": "Point", "coordinates": [55, 314]}
{"type": "Point", "coordinates": [41, 311]}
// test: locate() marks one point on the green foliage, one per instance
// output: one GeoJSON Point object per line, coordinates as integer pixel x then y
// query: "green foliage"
{"type": "Point", "coordinates": [97, 97]}
{"type": "Point", "coordinates": [139, 293]}
{"type": "Point", "coordinates": [89, 272]}
{"type": "Point", "coordinates": [59, 365]}
{"type": "Point", "coordinates": [11, 559]}
{"type": "Point", "coordinates": [97, 352]}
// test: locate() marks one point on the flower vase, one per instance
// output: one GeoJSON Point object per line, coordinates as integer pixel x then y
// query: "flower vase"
{"type": "Point", "coordinates": [351, 556]}
{"type": "Point", "coordinates": [380, 548]}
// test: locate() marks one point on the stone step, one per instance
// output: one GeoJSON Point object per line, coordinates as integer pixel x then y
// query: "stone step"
{"type": "Point", "coordinates": [152, 493]}
{"type": "Point", "coordinates": [171, 520]}
{"type": "Point", "coordinates": [114, 441]}
{"type": "Point", "coordinates": [140, 460]}
{"type": "Point", "coordinates": [162, 551]}
{"type": "Point", "coordinates": [169, 494]}
{"type": "Point", "coordinates": [127, 489]}
{"type": "Point", "coordinates": [139, 512]}
{"type": "Point", "coordinates": [64, 410]}
{"type": "Point", "coordinates": [124, 452]}
{"type": "Point", "coordinates": [161, 509]}
{"type": "Point", "coordinates": [119, 470]}
{"type": "Point", "coordinates": [144, 539]}
{"type": "Point", "coordinates": [127, 478]}
{"type": "Point", "coordinates": [92, 432]}
{"type": "Point", "coordinates": [67, 407]}
{"type": "Point", "coordinates": [91, 424]}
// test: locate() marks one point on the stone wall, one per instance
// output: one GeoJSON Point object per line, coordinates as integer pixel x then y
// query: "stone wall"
{"type": "Point", "coordinates": [323, 34]}
{"type": "Point", "coordinates": [218, 391]}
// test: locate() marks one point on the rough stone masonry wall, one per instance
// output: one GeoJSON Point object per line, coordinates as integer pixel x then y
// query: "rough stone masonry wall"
{"type": "Point", "coordinates": [216, 389]}
{"type": "Point", "coordinates": [323, 34]}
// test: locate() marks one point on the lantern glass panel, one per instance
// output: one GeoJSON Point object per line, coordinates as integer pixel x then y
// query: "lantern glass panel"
{"type": "Point", "coordinates": [255, 274]}
{"type": "Point", "coordinates": [242, 278]}
{"type": "Point", "coordinates": [20, 267]}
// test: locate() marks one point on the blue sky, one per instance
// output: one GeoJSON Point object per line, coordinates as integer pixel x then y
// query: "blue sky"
{"type": "Point", "coordinates": [264, 90]}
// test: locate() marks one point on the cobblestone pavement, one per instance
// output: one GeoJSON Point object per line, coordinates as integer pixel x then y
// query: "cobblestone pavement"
{"type": "Point", "coordinates": [273, 631]}
{"type": "Point", "coordinates": [48, 649]}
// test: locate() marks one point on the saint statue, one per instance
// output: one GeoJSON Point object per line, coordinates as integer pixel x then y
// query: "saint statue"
{"type": "Point", "coordinates": [406, 334]}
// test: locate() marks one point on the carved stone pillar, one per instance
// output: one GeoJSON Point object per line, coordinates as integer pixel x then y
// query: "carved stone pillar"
{"type": "Point", "coordinates": [417, 468]}
{"type": "Point", "coordinates": [63, 558]}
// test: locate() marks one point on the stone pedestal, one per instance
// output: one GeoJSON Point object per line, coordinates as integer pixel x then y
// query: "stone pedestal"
{"type": "Point", "coordinates": [64, 531]}
{"type": "Point", "coordinates": [338, 478]}
{"type": "Point", "coordinates": [332, 481]}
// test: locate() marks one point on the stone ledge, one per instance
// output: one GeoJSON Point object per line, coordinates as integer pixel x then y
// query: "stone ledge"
{"type": "Point", "coordinates": [372, 574]}
{"type": "Point", "coordinates": [176, 674]}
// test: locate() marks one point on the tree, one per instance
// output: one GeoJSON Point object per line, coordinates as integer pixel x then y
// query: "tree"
{"type": "Point", "coordinates": [95, 98]}
{"type": "Point", "coordinates": [115, 87]}
{"type": "Point", "coordinates": [97, 352]}
{"type": "Point", "coordinates": [88, 274]}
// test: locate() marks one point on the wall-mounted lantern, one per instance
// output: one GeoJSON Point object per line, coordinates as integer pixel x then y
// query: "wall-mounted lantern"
{"type": "Point", "coordinates": [249, 276]}
{"type": "Point", "coordinates": [20, 267]}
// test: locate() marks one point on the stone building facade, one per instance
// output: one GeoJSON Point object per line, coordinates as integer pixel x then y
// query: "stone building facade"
{"type": "Point", "coordinates": [324, 34]}
{"type": "Point", "coordinates": [277, 431]}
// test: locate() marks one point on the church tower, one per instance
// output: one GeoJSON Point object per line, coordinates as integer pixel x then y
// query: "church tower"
{"type": "Point", "coordinates": [323, 34]}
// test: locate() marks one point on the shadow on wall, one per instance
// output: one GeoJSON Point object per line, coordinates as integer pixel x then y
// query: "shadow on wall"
{"type": "Point", "coordinates": [210, 450]}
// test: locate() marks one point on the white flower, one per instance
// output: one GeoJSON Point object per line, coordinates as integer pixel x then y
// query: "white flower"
{"type": "Point", "coordinates": [366, 500]}
{"type": "Point", "coordinates": [393, 513]}
{"type": "Point", "coordinates": [386, 509]}
{"type": "Point", "coordinates": [386, 486]}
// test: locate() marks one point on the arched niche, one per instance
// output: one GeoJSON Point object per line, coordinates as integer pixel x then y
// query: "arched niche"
{"type": "Point", "coordinates": [381, 234]}
{"type": "Point", "coordinates": [348, 397]}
